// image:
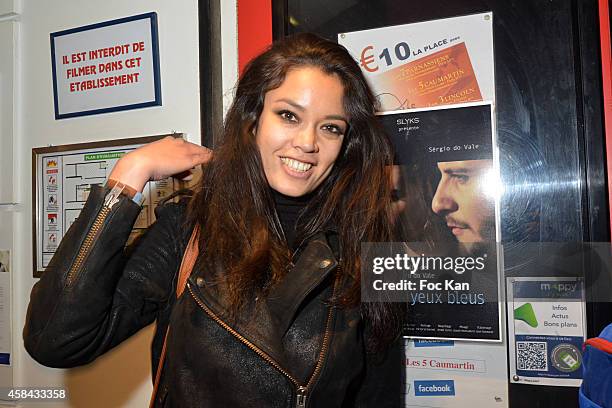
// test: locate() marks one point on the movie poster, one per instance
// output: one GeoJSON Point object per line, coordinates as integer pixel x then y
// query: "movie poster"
{"type": "Point", "coordinates": [425, 64]}
{"type": "Point", "coordinates": [446, 267]}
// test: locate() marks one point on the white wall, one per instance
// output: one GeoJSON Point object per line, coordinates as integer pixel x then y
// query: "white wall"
{"type": "Point", "coordinates": [229, 47]}
{"type": "Point", "coordinates": [8, 30]}
{"type": "Point", "coordinates": [122, 377]}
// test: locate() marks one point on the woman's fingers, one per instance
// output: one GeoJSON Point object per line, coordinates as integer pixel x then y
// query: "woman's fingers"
{"type": "Point", "coordinates": [159, 160]}
{"type": "Point", "coordinates": [172, 155]}
{"type": "Point", "coordinates": [201, 154]}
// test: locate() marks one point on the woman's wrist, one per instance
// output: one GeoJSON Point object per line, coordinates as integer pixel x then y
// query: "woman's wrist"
{"type": "Point", "coordinates": [125, 189]}
{"type": "Point", "coordinates": [129, 192]}
{"type": "Point", "coordinates": [131, 173]}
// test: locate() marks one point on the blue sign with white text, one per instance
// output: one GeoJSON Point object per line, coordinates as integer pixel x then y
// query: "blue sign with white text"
{"type": "Point", "coordinates": [433, 388]}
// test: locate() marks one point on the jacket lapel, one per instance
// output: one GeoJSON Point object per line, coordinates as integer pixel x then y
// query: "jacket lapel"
{"type": "Point", "coordinates": [312, 267]}
{"type": "Point", "coordinates": [270, 318]}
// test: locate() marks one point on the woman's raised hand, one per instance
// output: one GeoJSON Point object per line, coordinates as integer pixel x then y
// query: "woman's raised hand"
{"type": "Point", "coordinates": [158, 160]}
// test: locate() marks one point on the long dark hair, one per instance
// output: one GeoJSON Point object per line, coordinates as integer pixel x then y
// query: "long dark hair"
{"type": "Point", "coordinates": [235, 209]}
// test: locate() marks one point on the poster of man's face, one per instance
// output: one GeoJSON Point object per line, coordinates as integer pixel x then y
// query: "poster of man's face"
{"type": "Point", "coordinates": [445, 179]}
{"type": "Point", "coordinates": [462, 200]}
{"type": "Point", "coordinates": [445, 174]}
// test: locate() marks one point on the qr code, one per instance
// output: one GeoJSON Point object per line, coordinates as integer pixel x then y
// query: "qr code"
{"type": "Point", "coordinates": [532, 355]}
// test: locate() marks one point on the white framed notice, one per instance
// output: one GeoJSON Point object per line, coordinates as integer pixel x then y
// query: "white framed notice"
{"type": "Point", "coordinates": [62, 179]}
{"type": "Point", "coordinates": [546, 330]}
{"type": "Point", "coordinates": [447, 374]}
{"type": "Point", "coordinates": [105, 67]}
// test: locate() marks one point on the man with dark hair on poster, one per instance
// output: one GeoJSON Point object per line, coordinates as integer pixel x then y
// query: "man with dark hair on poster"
{"type": "Point", "coordinates": [446, 184]}
{"type": "Point", "coordinates": [462, 199]}
{"type": "Point", "coordinates": [445, 166]}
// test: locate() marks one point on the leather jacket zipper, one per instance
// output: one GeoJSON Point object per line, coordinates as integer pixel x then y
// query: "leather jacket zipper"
{"type": "Point", "coordinates": [302, 389]}
{"type": "Point", "coordinates": [110, 200]}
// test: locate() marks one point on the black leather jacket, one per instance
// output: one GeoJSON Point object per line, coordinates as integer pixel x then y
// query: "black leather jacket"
{"type": "Point", "coordinates": [294, 350]}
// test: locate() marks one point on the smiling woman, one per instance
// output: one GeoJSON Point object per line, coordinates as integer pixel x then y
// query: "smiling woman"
{"type": "Point", "coordinates": [300, 130]}
{"type": "Point", "coordinates": [271, 314]}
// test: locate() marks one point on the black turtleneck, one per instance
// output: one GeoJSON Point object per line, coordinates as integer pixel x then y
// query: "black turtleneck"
{"type": "Point", "coordinates": [289, 209]}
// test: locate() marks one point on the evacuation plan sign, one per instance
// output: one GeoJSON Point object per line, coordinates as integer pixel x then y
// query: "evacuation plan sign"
{"type": "Point", "coordinates": [64, 178]}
